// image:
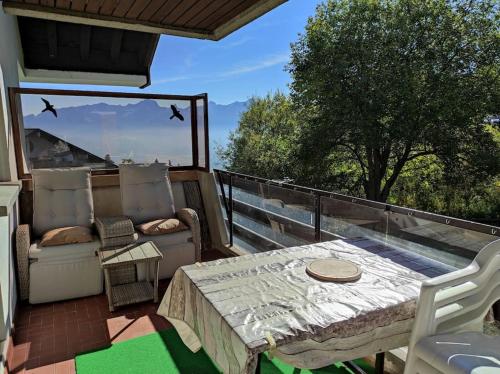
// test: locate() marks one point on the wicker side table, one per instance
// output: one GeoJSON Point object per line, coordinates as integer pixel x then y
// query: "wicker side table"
{"type": "Point", "coordinates": [134, 292]}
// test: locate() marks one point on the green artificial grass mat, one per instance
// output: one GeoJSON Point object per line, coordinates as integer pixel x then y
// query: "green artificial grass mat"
{"type": "Point", "coordinates": [164, 352]}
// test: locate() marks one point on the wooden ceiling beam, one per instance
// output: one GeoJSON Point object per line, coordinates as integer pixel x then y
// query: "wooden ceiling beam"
{"type": "Point", "coordinates": [85, 42]}
{"type": "Point", "coordinates": [52, 39]}
{"type": "Point", "coordinates": [116, 44]}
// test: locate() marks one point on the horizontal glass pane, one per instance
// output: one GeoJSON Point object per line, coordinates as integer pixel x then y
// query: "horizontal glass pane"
{"type": "Point", "coordinates": [102, 132]}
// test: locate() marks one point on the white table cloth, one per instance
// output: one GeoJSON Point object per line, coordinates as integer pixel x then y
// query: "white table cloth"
{"type": "Point", "coordinates": [238, 307]}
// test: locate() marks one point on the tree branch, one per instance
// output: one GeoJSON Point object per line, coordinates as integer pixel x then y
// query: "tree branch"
{"type": "Point", "coordinates": [419, 154]}
{"type": "Point", "coordinates": [395, 173]}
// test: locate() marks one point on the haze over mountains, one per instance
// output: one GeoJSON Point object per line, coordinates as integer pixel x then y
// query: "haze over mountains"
{"type": "Point", "coordinates": [142, 131]}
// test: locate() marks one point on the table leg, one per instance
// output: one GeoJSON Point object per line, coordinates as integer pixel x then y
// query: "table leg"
{"type": "Point", "coordinates": [259, 363]}
{"type": "Point", "coordinates": [157, 275]}
{"type": "Point", "coordinates": [379, 363]}
{"type": "Point", "coordinates": [109, 290]}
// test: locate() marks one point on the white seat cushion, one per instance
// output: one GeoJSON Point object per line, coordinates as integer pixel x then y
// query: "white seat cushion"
{"type": "Point", "coordinates": [165, 241]}
{"type": "Point", "coordinates": [64, 272]}
{"type": "Point", "coordinates": [174, 257]}
{"type": "Point", "coordinates": [63, 252]}
{"type": "Point", "coordinates": [177, 250]}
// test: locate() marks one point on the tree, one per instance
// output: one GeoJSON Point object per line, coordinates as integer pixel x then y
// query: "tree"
{"type": "Point", "coordinates": [383, 83]}
{"type": "Point", "coordinates": [264, 141]}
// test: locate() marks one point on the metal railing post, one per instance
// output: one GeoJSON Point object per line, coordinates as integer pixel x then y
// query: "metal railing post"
{"type": "Point", "coordinates": [317, 217]}
{"type": "Point", "coordinates": [230, 217]}
{"type": "Point", "coordinates": [228, 206]}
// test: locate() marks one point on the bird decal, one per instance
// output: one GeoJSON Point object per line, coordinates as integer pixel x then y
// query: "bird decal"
{"type": "Point", "coordinates": [49, 107]}
{"type": "Point", "coordinates": [176, 113]}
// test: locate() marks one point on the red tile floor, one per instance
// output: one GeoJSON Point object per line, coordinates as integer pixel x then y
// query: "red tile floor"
{"type": "Point", "coordinates": [48, 336]}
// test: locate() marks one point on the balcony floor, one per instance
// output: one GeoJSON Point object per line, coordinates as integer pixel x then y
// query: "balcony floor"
{"type": "Point", "coordinates": [48, 336]}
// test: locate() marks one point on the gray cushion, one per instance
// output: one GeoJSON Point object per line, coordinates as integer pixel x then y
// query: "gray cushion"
{"type": "Point", "coordinates": [146, 192]}
{"type": "Point", "coordinates": [63, 253]}
{"type": "Point", "coordinates": [165, 241]}
{"type": "Point", "coordinates": [61, 198]}
{"type": "Point", "coordinates": [460, 353]}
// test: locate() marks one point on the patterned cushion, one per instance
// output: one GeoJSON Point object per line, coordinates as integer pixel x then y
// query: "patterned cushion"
{"type": "Point", "coordinates": [61, 198]}
{"type": "Point", "coordinates": [146, 192]}
{"type": "Point", "coordinates": [66, 235]}
{"type": "Point", "coordinates": [162, 226]}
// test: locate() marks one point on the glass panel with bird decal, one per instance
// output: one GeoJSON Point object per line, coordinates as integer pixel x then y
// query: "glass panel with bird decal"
{"type": "Point", "coordinates": [103, 132]}
{"type": "Point", "coordinates": [200, 113]}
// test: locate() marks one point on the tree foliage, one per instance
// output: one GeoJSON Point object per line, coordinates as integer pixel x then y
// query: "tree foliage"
{"type": "Point", "coordinates": [382, 83]}
{"type": "Point", "coordinates": [388, 101]}
{"type": "Point", "coordinates": [265, 139]}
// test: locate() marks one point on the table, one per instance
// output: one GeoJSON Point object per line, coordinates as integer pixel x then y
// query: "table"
{"type": "Point", "coordinates": [240, 307]}
{"type": "Point", "coordinates": [134, 292]}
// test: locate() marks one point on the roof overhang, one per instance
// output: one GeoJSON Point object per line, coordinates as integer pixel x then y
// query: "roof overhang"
{"type": "Point", "coordinates": [62, 52]}
{"type": "Point", "coordinates": [203, 19]}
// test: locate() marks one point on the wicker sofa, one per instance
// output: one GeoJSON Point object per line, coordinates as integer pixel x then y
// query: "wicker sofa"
{"type": "Point", "coordinates": [64, 197]}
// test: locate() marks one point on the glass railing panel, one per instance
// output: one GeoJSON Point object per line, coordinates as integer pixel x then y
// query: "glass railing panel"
{"type": "Point", "coordinates": [348, 219]}
{"type": "Point", "coordinates": [285, 215]}
{"type": "Point", "coordinates": [269, 231]}
{"type": "Point", "coordinates": [379, 223]}
{"type": "Point", "coordinates": [440, 238]}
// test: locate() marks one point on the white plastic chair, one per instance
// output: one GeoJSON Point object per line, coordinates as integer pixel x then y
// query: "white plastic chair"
{"type": "Point", "coordinates": [447, 334]}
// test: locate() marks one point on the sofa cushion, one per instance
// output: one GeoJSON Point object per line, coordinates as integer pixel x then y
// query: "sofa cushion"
{"type": "Point", "coordinates": [146, 192]}
{"type": "Point", "coordinates": [162, 226]}
{"type": "Point", "coordinates": [66, 235]}
{"type": "Point", "coordinates": [61, 198]}
{"type": "Point", "coordinates": [167, 240]}
{"type": "Point", "coordinates": [63, 252]}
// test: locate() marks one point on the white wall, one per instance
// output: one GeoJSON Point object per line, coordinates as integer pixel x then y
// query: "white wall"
{"type": "Point", "coordinates": [8, 296]}
{"type": "Point", "coordinates": [10, 52]}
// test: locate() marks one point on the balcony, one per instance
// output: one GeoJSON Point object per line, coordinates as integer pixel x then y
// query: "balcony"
{"type": "Point", "coordinates": [239, 214]}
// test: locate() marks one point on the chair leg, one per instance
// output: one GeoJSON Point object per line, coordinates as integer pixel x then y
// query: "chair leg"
{"type": "Point", "coordinates": [379, 363]}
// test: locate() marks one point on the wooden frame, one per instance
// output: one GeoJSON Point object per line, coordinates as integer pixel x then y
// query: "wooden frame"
{"type": "Point", "coordinates": [15, 92]}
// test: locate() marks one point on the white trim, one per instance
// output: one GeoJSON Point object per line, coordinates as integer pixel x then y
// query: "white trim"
{"type": "Point", "coordinates": [79, 77]}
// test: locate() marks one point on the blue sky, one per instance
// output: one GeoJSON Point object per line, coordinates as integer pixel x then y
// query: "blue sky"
{"type": "Point", "coordinates": [248, 62]}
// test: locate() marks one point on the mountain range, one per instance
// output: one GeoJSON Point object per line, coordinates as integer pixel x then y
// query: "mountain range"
{"type": "Point", "coordinates": [141, 130]}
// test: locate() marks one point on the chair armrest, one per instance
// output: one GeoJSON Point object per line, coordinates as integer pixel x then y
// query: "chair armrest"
{"type": "Point", "coordinates": [23, 242]}
{"type": "Point", "coordinates": [190, 218]}
{"type": "Point", "coordinates": [454, 278]}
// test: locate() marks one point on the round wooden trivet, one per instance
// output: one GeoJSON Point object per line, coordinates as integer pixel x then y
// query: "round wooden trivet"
{"type": "Point", "coordinates": [333, 270]}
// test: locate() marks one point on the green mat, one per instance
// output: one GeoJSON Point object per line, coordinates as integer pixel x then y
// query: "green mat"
{"type": "Point", "coordinates": [164, 352]}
